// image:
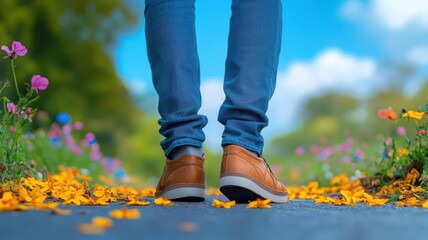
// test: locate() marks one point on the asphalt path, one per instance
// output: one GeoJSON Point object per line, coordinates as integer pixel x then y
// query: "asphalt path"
{"type": "Point", "coordinates": [294, 220]}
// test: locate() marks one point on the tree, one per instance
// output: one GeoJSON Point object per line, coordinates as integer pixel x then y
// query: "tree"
{"type": "Point", "coordinates": [69, 42]}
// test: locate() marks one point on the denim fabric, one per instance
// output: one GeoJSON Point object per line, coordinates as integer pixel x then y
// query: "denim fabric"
{"type": "Point", "coordinates": [251, 66]}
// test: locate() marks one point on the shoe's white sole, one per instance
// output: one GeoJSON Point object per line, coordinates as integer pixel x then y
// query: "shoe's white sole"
{"type": "Point", "coordinates": [241, 183]}
{"type": "Point", "coordinates": [184, 193]}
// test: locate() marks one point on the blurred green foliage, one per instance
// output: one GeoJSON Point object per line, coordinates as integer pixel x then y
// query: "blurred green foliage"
{"type": "Point", "coordinates": [69, 42]}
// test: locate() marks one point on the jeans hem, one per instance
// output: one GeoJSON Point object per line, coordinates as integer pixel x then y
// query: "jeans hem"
{"type": "Point", "coordinates": [181, 142]}
{"type": "Point", "coordinates": [244, 144]}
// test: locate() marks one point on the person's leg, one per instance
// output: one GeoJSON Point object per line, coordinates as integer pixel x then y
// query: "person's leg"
{"type": "Point", "coordinates": [251, 66]}
{"type": "Point", "coordinates": [171, 47]}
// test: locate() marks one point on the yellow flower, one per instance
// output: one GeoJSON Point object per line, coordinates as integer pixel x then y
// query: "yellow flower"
{"type": "Point", "coordinates": [413, 114]}
{"type": "Point", "coordinates": [220, 204]}
{"type": "Point", "coordinates": [9, 202]}
{"type": "Point", "coordinates": [135, 201]}
{"type": "Point", "coordinates": [213, 192]}
{"type": "Point", "coordinates": [349, 198]}
{"type": "Point", "coordinates": [125, 213]}
{"type": "Point", "coordinates": [339, 180]}
{"type": "Point", "coordinates": [412, 176]}
{"type": "Point", "coordinates": [323, 199]}
{"type": "Point", "coordinates": [389, 173]}
{"type": "Point", "coordinates": [161, 201]}
{"type": "Point", "coordinates": [425, 204]}
{"type": "Point", "coordinates": [102, 222]}
{"type": "Point", "coordinates": [148, 192]}
{"type": "Point", "coordinates": [73, 196]}
{"type": "Point", "coordinates": [374, 201]}
{"type": "Point", "coordinates": [259, 203]}
{"type": "Point", "coordinates": [412, 202]}
{"type": "Point", "coordinates": [399, 204]}
{"type": "Point", "coordinates": [403, 152]}
{"type": "Point", "coordinates": [103, 196]}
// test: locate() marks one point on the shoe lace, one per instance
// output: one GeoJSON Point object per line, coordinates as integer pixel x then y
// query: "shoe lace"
{"type": "Point", "coordinates": [267, 164]}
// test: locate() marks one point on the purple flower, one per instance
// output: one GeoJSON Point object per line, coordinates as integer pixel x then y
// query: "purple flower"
{"type": "Point", "coordinates": [11, 107]}
{"type": "Point", "coordinates": [39, 83]}
{"type": "Point", "coordinates": [17, 50]}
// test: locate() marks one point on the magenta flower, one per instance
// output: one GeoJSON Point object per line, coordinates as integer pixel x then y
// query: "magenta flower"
{"type": "Point", "coordinates": [17, 50]}
{"type": "Point", "coordinates": [422, 132]}
{"type": "Point", "coordinates": [39, 83]}
{"type": "Point", "coordinates": [11, 107]}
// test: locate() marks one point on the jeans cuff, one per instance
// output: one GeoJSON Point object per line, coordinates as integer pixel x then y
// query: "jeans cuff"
{"type": "Point", "coordinates": [247, 145]}
{"type": "Point", "coordinates": [181, 142]}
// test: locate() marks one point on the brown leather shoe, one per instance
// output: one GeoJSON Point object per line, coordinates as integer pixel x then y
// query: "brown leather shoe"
{"type": "Point", "coordinates": [245, 177]}
{"type": "Point", "coordinates": [183, 179]}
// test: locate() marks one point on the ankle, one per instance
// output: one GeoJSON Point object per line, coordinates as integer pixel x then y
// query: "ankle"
{"type": "Point", "coordinates": [185, 150]}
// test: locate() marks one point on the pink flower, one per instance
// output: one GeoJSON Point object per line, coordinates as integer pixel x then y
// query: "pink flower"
{"type": "Point", "coordinates": [276, 169]}
{"type": "Point", "coordinates": [387, 113]}
{"type": "Point", "coordinates": [67, 129]}
{"type": "Point", "coordinates": [39, 83]}
{"type": "Point", "coordinates": [17, 50]}
{"type": "Point", "coordinates": [11, 107]}
{"type": "Point", "coordinates": [90, 137]}
{"type": "Point", "coordinates": [78, 126]}
{"type": "Point", "coordinates": [347, 145]}
{"type": "Point", "coordinates": [76, 150]}
{"type": "Point", "coordinates": [388, 141]}
{"type": "Point", "coordinates": [95, 155]}
{"type": "Point", "coordinates": [299, 151]}
{"type": "Point", "coordinates": [422, 132]}
{"type": "Point", "coordinates": [401, 131]}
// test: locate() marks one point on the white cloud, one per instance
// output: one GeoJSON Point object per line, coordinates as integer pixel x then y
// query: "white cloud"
{"type": "Point", "coordinates": [391, 14]}
{"type": "Point", "coordinates": [419, 55]}
{"type": "Point", "coordinates": [136, 86]}
{"type": "Point", "coordinates": [331, 70]}
{"type": "Point", "coordinates": [352, 9]}
{"type": "Point", "coordinates": [397, 14]}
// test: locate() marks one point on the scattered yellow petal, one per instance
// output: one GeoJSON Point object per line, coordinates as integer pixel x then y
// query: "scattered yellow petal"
{"type": "Point", "coordinates": [339, 180]}
{"type": "Point", "coordinates": [90, 229]}
{"type": "Point", "coordinates": [188, 227]}
{"type": "Point", "coordinates": [102, 222]}
{"type": "Point", "coordinates": [323, 199]}
{"type": "Point", "coordinates": [148, 192]}
{"type": "Point", "coordinates": [125, 213]}
{"type": "Point", "coordinates": [259, 203]}
{"type": "Point", "coordinates": [213, 192]}
{"type": "Point", "coordinates": [349, 199]}
{"type": "Point", "coordinates": [60, 211]}
{"type": "Point", "coordinates": [161, 201]}
{"type": "Point", "coordinates": [220, 204]}
{"type": "Point", "coordinates": [135, 201]}
{"type": "Point", "coordinates": [399, 204]}
{"type": "Point", "coordinates": [425, 204]}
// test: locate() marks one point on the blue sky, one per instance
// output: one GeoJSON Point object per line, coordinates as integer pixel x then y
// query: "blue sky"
{"type": "Point", "coordinates": [308, 26]}
{"type": "Point", "coordinates": [331, 45]}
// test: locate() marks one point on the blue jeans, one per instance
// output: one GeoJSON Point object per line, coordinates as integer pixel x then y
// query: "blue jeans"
{"type": "Point", "coordinates": [249, 82]}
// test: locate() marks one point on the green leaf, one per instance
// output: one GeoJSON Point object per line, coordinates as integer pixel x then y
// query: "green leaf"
{"type": "Point", "coordinates": [394, 197]}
